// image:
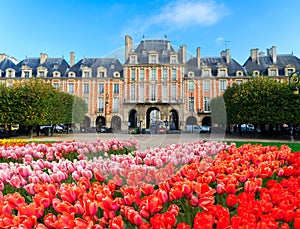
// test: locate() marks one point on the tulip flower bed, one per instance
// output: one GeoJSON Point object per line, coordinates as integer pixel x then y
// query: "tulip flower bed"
{"type": "Point", "coordinates": [110, 184]}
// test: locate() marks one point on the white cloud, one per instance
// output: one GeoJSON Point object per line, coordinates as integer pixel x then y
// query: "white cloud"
{"type": "Point", "coordinates": [177, 15]}
{"type": "Point", "coordinates": [220, 40]}
{"type": "Point", "coordinates": [187, 13]}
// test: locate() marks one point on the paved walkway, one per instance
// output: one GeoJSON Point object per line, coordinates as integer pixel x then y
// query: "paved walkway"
{"type": "Point", "coordinates": [150, 141]}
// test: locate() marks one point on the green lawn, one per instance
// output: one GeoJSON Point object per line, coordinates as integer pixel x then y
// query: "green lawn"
{"type": "Point", "coordinates": [294, 146]}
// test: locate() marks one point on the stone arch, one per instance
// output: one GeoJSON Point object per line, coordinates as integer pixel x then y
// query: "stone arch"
{"type": "Point", "coordinates": [132, 120]}
{"type": "Point", "coordinates": [206, 121]}
{"type": "Point", "coordinates": [152, 117]}
{"type": "Point", "coordinates": [174, 120]}
{"type": "Point", "coordinates": [100, 122]}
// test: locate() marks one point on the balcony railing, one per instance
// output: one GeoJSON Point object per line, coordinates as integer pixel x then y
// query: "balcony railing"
{"type": "Point", "coordinates": [176, 101]}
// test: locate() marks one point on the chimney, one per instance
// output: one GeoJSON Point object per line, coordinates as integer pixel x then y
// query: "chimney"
{"type": "Point", "coordinates": [168, 45]}
{"type": "Point", "coordinates": [254, 55]}
{"type": "Point", "coordinates": [43, 58]}
{"type": "Point", "coordinates": [128, 47]}
{"type": "Point", "coordinates": [183, 53]}
{"type": "Point", "coordinates": [3, 56]}
{"type": "Point", "coordinates": [72, 58]}
{"type": "Point", "coordinates": [227, 56]}
{"type": "Point", "coordinates": [272, 53]}
{"type": "Point", "coordinates": [198, 57]}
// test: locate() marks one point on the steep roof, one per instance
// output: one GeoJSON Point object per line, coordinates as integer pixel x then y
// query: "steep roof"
{"type": "Point", "coordinates": [266, 61]}
{"type": "Point", "coordinates": [6, 63]}
{"type": "Point", "coordinates": [213, 63]}
{"type": "Point", "coordinates": [110, 64]}
{"type": "Point", "coordinates": [51, 64]}
{"type": "Point", "coordinates": [160, 46]}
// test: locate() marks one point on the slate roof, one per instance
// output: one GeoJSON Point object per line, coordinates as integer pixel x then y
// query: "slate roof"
{"type": "Point", "coordinates": [159, 46]}
{"type": "Point", "coordinates": [95, 63]}
{"type": "Point", "coordinates": [213, 63]}
{"type": "Point", "coordinates": [266, 61]}
{"type": "Point", "coordinates": [50, 64]}
{"type": "Point", "coordinates": [5, 64]}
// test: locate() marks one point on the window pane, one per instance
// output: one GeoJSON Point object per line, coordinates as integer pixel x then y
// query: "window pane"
{"type": "Point", "coordinates": [115, 104]}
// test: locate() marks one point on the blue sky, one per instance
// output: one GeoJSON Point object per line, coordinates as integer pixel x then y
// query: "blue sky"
{"type": "Point", "coordinates": [94, 28]}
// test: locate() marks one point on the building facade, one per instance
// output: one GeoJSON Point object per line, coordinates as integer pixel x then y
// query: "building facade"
{"type": "Point", "coordinates": [156, 86]}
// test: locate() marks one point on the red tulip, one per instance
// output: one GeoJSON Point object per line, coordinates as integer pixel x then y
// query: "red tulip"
{"type": "Point", "coordinates": [116, 223]}
{"type": "Point", "coordinates": [231, 200]}
{"type": "Point", "coordinates": [182, 225]}
{"type": "Point", "coordinates": [109, 204]}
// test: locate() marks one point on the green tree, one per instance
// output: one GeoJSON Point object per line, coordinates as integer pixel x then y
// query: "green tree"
{"type": "Point", "coordinates": [35, 102]}
{"type": "Point", "coordinates": [262, 100]}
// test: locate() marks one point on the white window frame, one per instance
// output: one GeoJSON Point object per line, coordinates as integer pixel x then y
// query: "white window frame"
{"type": "Point", "coordinates": [100, 105]}
{"type": "Point", "coordinates": [71, 88]}
{"type": "Point", "coordinates": [222, 85]}
{"type": "Point", "coordinates": [153, 74]}
{"type": "Point", "coordinates": [116, 90]}
{"type": "Point", "coordinates": [164, 92]}
{"type": "Point", "coordinates": [206, 72]}
{"type": "Point", "coordinates": [132, 74]}
{"type": "Point", "coordinates": [165, 74]}
{"type": "Point", "coordinates": [142, 74]}
{"type": "Point", "coordinates": [153, 92]}
{"type": "Point", "coordinates": [153, 58]}
{"type": "Point", "coordinates": [173, 59]}
{"type": "Point", "coordinates": [142, 92]}
{"type": "Point", "coordinates": [174, 74]}
{"type": "Point", "coordinates": [116, 104]}
{"type": "Point", "coordinates": [133, 59]}
{"type": "Point", "coordinates": [273, 72]}
{"type": "Point", "coordinates": [132, 92]}
{"type": "Point", "coordinates": [10, 73]}
{"type": "Point", "coordinates": [101, 88]}
{"type": "Point", "coordinates": [86, 88]}
{"type": "Point", "coordinates": [191, 86]}
{"type": "Point", "coordinates": [206, 103]}
{"type": "Point", "coordinates": [173, 92]}
{"type": "Point", "coordinates": [206, 85]}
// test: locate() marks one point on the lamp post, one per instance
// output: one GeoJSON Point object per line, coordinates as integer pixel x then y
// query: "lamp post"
{"type": "Point", "coordinates": [293, 82]}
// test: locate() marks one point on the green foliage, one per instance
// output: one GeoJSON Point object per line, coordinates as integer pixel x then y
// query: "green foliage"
{"type": "Point", "coordinates": [36, 102]}
{"type": "Point", "coordinates": [262, 100]}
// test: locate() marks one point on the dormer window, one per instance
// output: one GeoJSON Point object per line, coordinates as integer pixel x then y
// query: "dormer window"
{"type": "Point", "coordinates": [173, 59]}
{"type": "Point", "coordinates": [272, 71]}
{"type": "Point", "coordinates": [222, 72]}
{"type": "Point", "coordinates": [86, 74]}
{"type": "Point", "coordinates": [41, 74]}
{"type": "Point", "coordinates": [153, 59]}
{"type": "Point", "coordinates": [112, 66]}
{"type": "Point", "coordinates": [101, 72]}
{"type": "Point", "coordinates": [255, 73]}
{"type": "Point", "coordinates": [55, 66]}
{"type": "Point", "coordinates": [133, 59]}
{"type": "Point", "coordinates": [56, 74]}
{"type": "Point", "coordinates": [71, 74]}
{"type": "Point", "coordinates": [289, 69]}
{"type": "Point", "coordinates": [239, 73]}
{"type": "Point", "coordinates": [206, 72]}
{"type": "Point", "coordinates": [191, 74]}
{"type": "Point", "coordinates": [10, 72]}
{"type": "Point", "coordinates": [116, 74]}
